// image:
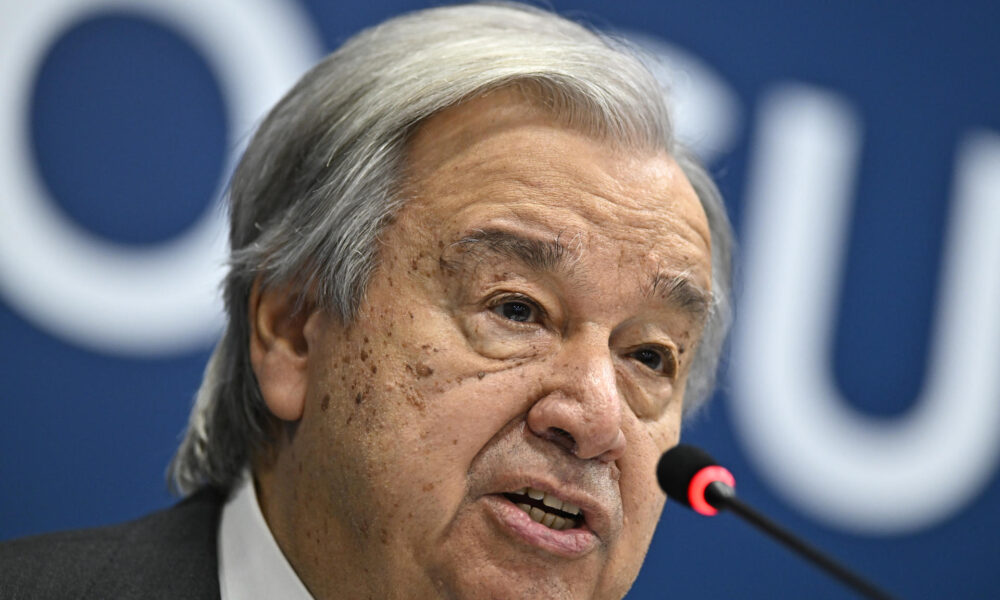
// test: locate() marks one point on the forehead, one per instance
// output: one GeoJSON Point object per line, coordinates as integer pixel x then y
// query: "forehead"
{"type": "Point", "coordinates": [502, 162]}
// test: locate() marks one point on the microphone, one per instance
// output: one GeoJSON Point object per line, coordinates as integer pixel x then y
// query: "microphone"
{"type": "Point", "coordinates": [690, 476]}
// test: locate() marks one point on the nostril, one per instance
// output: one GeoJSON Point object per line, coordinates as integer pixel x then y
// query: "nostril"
{"type": "Point", "coordinates": [562, 438]}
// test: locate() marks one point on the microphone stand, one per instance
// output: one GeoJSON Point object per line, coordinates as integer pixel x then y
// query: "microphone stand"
{"type": "Point", "coordinates": [722, 496]}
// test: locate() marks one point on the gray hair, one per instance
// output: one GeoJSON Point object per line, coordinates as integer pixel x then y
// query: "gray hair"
{"type": "Point", "coordinates": [321, 176]}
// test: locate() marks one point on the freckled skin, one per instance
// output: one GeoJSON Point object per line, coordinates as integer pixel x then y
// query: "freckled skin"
{"type": "Point", "coordinates": [435, 397]}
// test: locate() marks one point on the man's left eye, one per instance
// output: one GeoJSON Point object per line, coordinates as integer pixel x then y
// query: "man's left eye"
{"type": "Point", "coordinates": [655, 359]}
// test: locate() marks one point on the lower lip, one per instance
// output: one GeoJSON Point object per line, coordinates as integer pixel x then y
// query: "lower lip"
{"type": "Point", "coordinates": [568, 543]}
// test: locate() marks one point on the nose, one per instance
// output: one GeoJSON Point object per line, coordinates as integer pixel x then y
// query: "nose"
{"type": "Point", "coordinates": [580, 408]}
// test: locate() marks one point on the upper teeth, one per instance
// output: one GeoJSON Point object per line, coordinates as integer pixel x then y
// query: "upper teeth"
{"type": "Point", "coordinates": [549, 500]}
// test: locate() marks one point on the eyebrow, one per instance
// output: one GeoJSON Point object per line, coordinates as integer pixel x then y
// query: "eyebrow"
{"type": "Point", "coordinates": [540, 255]}
{"type": "Point", "coordinates": [680, 290]}
{"type": "Point", "coordinates": [676, 289]}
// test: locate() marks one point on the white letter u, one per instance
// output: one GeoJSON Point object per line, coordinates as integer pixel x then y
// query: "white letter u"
{"type": "Point", "coordinates": [827, 459]}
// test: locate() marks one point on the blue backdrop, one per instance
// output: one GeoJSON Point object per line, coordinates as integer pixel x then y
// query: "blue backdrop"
{"type": "Point", "coordinates": [858, 147]}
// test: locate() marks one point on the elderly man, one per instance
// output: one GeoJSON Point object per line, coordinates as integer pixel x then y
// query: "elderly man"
{"type": "Point", "coordinates": [474, 286]}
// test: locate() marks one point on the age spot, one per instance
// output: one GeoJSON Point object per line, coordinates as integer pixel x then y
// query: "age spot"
{"type": "Point", "coordinates": [415, 400]}
{"type": "Point", "coordinates": [423, 370]}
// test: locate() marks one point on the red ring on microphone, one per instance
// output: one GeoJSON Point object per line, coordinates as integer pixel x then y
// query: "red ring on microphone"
{"type": "Point", "coordinates": [700, 481]}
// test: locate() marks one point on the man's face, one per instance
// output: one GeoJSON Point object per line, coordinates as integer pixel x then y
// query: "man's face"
{"type": "Point", "coordinates": [529, 329]}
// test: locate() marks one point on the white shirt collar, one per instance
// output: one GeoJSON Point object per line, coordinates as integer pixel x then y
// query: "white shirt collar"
{"type": "Point", "coordinates": [251, 564]}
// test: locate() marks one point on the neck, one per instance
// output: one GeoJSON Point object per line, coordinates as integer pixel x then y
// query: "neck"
{"type": "Point", "coordinates": [335, 556]}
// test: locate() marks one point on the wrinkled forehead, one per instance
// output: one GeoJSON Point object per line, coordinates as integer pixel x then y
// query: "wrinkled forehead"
{"type": "Point", "coordinates": [502, 163]}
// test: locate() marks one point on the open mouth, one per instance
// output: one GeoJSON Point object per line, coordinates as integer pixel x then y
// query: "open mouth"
{"type": "Point", "coordinates": [547, 509]}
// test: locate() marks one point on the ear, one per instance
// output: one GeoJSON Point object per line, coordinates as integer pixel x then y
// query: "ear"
{"type": "Point", "coordinates": [279, 349]}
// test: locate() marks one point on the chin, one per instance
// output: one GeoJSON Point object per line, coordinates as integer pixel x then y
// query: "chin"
{"type": "Point", "coordinates": [515, 589]}
{"type": "Point", "coordinates": [516, 582]}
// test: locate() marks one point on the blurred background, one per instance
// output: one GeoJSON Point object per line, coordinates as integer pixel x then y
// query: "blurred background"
{"type": "Point", "coordinates": [858, 147]}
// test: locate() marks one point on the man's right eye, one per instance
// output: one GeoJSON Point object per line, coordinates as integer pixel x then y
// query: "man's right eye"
{"type": "Point", "coordinates": [517, 310]}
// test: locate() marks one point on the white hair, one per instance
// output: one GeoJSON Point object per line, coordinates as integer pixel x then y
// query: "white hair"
{"type": "Point", "coordinates": [321, 177]}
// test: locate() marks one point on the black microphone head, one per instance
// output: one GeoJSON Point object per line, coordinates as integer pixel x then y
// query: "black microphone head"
{"type": "Point", "coordinates": [677, 467]}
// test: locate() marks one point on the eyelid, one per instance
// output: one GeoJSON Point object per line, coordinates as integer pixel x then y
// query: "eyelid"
{"type": "Point", "coordinates": [667, 354]}
{"type": "Point", "coordinates": [503, 297]}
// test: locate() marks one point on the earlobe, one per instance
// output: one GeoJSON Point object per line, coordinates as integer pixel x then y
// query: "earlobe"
{"type": "Point", "coordinates": [279, 349]}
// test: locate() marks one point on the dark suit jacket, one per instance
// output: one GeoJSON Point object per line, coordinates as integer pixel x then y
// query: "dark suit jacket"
{"type": "Point", "coordinates": [168, 554]}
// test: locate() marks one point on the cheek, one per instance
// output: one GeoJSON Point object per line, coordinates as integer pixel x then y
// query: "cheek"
{"type": "Point", "coordinates": [642, 503]}
{"type": "Point", "coordinates": [410, 409]}
{"type": "Point", "coordinates": [641, 495]}
{"type": "Point", "coordinates": [431, 371]}
{"type": "Point", "coordinates": [487, 336]}
{"type": "Point", "coordinates": [454, 404]}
